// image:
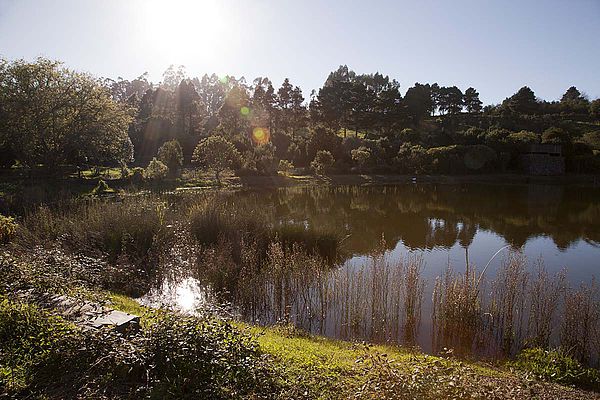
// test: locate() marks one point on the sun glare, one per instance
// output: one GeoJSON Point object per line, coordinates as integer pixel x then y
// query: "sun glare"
{"type": "Point", "coordinates": [180, 29]}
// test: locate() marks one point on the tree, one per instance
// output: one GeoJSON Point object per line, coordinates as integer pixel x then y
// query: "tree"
{"type": "Point", "coordinates": [571, 95]}
{"type": "Point", "coordinates": [574, 101]}
{"type": "Point", "coordinates": [454, 100]}
{"type": "Point", "coordinates": [522, 102]}
{"type": "Point", "coordinates": [595, 109]}
{"type": "Point", "coordinates": [323, 162]}
{"type": "Point", "coordinates": [187, 101]}
{"type": "Point", "coordinates": [217, 154]}
{"type": "Point", "coordinates": [171, 155]}
{"type": "Point", "coordinates": [332, 105]}
{"type": "Point", "coordinates": [361, 156]}
{"type": "Point", "coordinates": [471, 101]}
{"type": "Point", "coordinates": [51, 115]}
{"type": "Point", "coordinates": [418, 102]}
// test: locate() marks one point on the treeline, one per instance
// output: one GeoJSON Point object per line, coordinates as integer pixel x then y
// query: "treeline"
{"type": "Point", "coordinates": [50, 115]}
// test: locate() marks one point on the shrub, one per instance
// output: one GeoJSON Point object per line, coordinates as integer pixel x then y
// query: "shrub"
{"type": "Point", "coordinates": [101, 188]}
{"type": "Point", "coordinates": [286, 167]}
{"type": "Point", "coordinates": [556, 136]}
{"type": "Point", "coordinates": [323, 162]}
{"type": "Point", "coordinates": [557, 366]}
{"type": "Point", "coordinates": [136, 175]}
{"type": "Point", "coordinates": [592, 139]}
{"type": "Point", "coordinates": [8, 228]}
{"type": "Point", "coordinates": [361, 156]}
{"type": "Point", "coordinates": [523, 138]}
{"type": "Point", "coordinates": [175, 357]}
{"type": "Point", "coordinates": [171, 154]}
{"type": "Point", "coordinates": [156, 170]}
{"type": "Point", "coordinates": [412, 158]}
{"type": "Point", "coordinates": [479, 156]}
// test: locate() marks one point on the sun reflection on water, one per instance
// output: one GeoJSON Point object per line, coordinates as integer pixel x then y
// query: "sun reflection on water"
{"type": "Point", "coordinates": [186, 295]}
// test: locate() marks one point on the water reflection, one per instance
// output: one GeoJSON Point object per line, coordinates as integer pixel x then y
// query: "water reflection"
{"type": "Point", "coordinates": [186, 295]}
{"type": "Point", "coordinates": [428, 216]}
{"type": "Point", "coordinates": [433, 225]}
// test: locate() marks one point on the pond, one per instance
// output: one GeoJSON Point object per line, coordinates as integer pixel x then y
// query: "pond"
{"type": "Point", "coordinates": [429, 227]}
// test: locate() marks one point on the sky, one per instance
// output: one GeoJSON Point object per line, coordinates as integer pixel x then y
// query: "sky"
{"type": "Point", "coordinates": [495, 46]}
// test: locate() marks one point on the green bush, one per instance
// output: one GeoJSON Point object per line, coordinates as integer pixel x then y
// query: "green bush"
{"type": "Point", "coordinates": [156, 170]}
{"type": "Point", "coordinates": [171, 155]}
{"type": "Point", "coordinates": [175, 357]}
{"type": "Point", "coordinates": [101, 188]}
{"type": "Point", "coordinates": [136, 175]}
{"type": "Point", "coordinates": [323, 162]}
{"type": "Point", "coordinates": [8, 228]}
{"type": "Point", "coordinates": [557, 366]}
{"type": "Point", "coordinates": [286, 167]}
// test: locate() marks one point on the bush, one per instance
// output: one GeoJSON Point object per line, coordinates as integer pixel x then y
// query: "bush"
{"type": "Point", "coordinates": [361, 156]}
{"type": "Point", "coordinates": [286, 167]}
{"type": "Point", "coordinates": [412, 158]}
{"type": "Point", "coordinates": [556, 136]}
{"type": "Point", "coordinates": [171, 155]}
{"type": "Point", "coordinates": [557, 366]}
{"type": "Point", "coordinates": [592, 139]}
{"type": "Point", "coordinates": [136, 175]}
{"type": "Point", "coordinates": [523, 138]}
{"type": "Point", "coordinates": [101, 188]}
{"type": "Point", "coordinates": [323, 162]}
{"type": "Point", "coordinates": [8, 228]}
{"type": "Point", "coordinates": [479, 156]}
{"type": "Point", "coordinates": [156, 170]}
{"type": "Point", "coordinates": [175, 357]}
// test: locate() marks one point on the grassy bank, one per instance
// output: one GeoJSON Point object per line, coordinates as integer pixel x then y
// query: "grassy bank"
{"type": "Point", "coordinates": [174, 356]}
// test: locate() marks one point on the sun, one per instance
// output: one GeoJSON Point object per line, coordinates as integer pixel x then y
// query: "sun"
{"type": "Point", "coordinates": [177, 29]}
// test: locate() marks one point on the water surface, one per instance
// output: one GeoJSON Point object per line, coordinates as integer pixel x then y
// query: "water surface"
{"type": "Point", "coordinates": [444, 224]}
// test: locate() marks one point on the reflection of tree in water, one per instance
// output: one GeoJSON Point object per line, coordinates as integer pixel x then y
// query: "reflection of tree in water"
{"type": "Point", "coordinates": [427, 216]}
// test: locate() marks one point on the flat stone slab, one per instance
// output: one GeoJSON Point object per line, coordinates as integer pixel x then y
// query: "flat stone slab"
{"type": "Point", "coordinates": [87, 314]}
{"type": "Point", "coordinates": [118, 319]}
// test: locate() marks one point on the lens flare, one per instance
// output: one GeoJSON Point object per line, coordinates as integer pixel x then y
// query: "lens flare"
{"type": "Point", "coordinates": [245, 111]}
{"type": "Point", "coordinates": [260, 135]}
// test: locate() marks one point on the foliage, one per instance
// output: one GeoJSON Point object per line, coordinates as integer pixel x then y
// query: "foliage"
{"type": "Point", "coordinates": [156, 170]}
{"type": "Point", "coordinates": [52, 115]}
{"type": "Point", "coordinates": [129, 235]}
{"type": "Point", "coordinates": [174, 357]}
{"type": "Point", "coordinates": [171, 155]}
{"type": "Point", "coordinates": [361, 155]}
{"type": "Point", "coordinates": [412, 158]}
{"type": "Point", "coordinates": [592, 139]}
{"type": "Point", "coordinates": [72, 118]}
{"type": "Point", "coordinates": [286, 167]}
{"type": "Point", "coordinates": [323, 162]}
{"type": "Point", "coordinates": [8, 229]}
{"type": "Point", "coordinates": [523, 138]}
{"type": "Point", "coordinates": [557, 366]}
{"type": "Point", "coordinates": [101, 188]}
{"type": "Point", "coordinates": [216, 153]}
{"type": "Point", "coordinates": [556, 136]}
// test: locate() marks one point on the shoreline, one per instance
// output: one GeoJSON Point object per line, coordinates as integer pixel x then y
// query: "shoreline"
{"type": "Point", "coordinates": [384, 179]}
